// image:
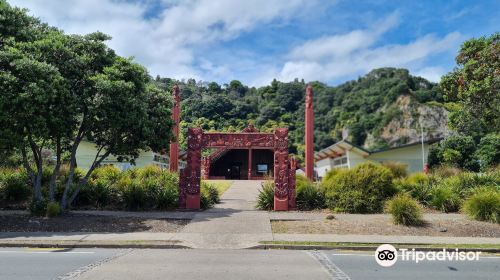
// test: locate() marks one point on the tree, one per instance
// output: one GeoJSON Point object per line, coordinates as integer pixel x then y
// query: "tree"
{"type": "Point", "coordinates": [475, 87]}
{"type": "Point", "coordinates": [488, 151]}
{"type": "Point", "coordinates": [57, 90]}
{"type": "Point", "coordinates": [457, 150]}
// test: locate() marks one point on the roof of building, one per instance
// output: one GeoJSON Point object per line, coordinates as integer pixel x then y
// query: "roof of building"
{"type": "Point", "coordinates": [339, 148]}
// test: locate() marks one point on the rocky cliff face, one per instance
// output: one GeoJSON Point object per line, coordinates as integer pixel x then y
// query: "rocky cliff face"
{"type": "Point", "coordinates": [405, 127]}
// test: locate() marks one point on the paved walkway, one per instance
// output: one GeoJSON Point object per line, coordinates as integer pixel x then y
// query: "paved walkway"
{"type": "Point", "coordinates": [234, 223]}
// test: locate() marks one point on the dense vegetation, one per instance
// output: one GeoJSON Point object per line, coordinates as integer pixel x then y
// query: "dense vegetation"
{"type": "Point", "coordinates": [363, 106]}
{"type": "Point", "coordinates": [369, 187]}
{"type": "Point", "coordinates": [147, 188]}
{"type": "Point", "coordinates": [472, 92]}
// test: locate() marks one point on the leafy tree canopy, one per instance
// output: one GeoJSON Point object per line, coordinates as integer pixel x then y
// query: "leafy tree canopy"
{"type": "Point", "coordinates": [474, 86]}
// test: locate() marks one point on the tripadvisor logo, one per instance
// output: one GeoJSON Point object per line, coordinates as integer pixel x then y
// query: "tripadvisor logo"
{"type": "Point", "coordinates": [386, 255]}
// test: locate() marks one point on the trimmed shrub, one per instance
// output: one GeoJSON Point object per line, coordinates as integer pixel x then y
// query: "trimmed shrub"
{"type": "Point", "coordinates": [309, 196]}
{"type": "Point", "coordinates": [445, 198]}
{"type": "Point", "coordinates": [484, 205]}
{"type": "Point", "coordinates": [265, 199]}
{"type": "Point", "coordinates": [398, 169]}
{"type": "Point", "coordinates": [417, 185]}
{"type": "Point", "coordinates": [404, 210]}
{"type": "Point", "coordinates": [362, 189]}
{"type": "Point", "coordinates": [53, 209]}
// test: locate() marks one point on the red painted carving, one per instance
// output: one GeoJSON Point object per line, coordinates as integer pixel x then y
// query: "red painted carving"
{"type": "Point", "coordinates": [284, 167]}
{"type": "Point", "coordinates": [174, 145]}
{"type": "Point", "coordinates": [281, 169]}
{"type": "Point", "coordinates": [205, 167]}
{"type": "Point", "coordinates": [309, 135]}
{"type": "Point", "coordinates": [291, 184]}
{"type": "Point", "coordinates": [238, 140]}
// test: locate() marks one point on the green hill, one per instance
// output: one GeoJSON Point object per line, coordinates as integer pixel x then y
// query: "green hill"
{"type": "Point", "coordinates": [381, 109]}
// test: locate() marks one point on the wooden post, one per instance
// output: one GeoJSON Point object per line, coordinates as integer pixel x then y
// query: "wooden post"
{"type": "Point", "coordinates": [174, 145]}
{"type": "Point", "coordinates": [250, 164]}
{"type": "Point", "coordinates": [309, 135]}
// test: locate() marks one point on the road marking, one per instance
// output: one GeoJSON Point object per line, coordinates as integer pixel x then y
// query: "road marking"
{"type": "Point", "coordinates": [79, 271]}
{"type": "Point", "coordinates": [371, 256]}
{"type": "Point", "coordinates": [328, 265]}
{"type": "Point", "coordinates": [45, 252]}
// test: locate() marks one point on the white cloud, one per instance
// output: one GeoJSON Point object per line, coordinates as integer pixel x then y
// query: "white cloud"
{"type": "Point", "coordinates": [432, 74]}
{"type": "Point", "coordinates": [181, 38]}
{"type": "Point", "coordinates": [354, 53]}
{"type": "Point", "coordinates": [344, 44]}
{"type": "Point", "coordinates": [166, 44]}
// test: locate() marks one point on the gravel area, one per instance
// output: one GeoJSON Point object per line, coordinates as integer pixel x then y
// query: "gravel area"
{"type": "Point", "coordinates": [88, 223]}
{"type": "Point", "coordinates": [380, 224]}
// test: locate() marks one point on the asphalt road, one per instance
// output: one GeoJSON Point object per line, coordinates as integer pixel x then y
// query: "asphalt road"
{"type": "Point", "coordinates": [20, 263]}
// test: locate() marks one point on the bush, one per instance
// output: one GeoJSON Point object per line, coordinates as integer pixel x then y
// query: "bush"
{"type": "Point", "coordinates": [444, 171]}
{"type": "Point", "coordinates": [457, 151]}
{"type": "Point", "coordinates": [445, 198]}
{"type": "Point", "coordinates": [14, 185]}
{"type": "Point", "coordinates": [212, 191]}
{"type": "Point", "coordinates": [132, 193]}
{"type": "Point", "coordinates": [330, 174]}
{"type": "Point", "coordinates": [488, 152]}
{"type": "Point", "coordinates": [417, 185]}
{"type": "Point", "coordinates": [149, 171]}
{"type": "Point", "coordinates": [209, 195]}
{"type": "Point", "coordinates": [398, 169]}
{"type": "Point", "coordinates": [404, 210]}
{"type": "Point", "coordinates": [265, 199]}
{"type": "Point", "coordinates": [38, 208]}
{"type": "Point", "coordinates": [362, 189]}
{"type": "Point", "coordinates": [484, 205]}
{"type": "Point", "coordinates": [309, 196]}
{"type": "Point", "coordinates": [53, 209]}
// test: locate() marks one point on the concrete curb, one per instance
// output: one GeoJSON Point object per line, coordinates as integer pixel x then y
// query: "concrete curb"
{"type": "Point", "coordinates": [95, 244]}
{"type": "Point", "coordinates": [420, 247]}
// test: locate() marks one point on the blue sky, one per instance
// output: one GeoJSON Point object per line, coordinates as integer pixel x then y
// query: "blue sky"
{"type": "Point", "coordinates": [255, 41]}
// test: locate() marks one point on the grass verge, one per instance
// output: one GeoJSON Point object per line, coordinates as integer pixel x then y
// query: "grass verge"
{"type": "Point", "coordinates": [221, 185]}
{"type": "Point", "coordinates": [371, 245]}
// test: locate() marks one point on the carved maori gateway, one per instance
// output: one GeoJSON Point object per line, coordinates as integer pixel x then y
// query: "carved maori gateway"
{"type": "Point", "coordinates": [284, 165]}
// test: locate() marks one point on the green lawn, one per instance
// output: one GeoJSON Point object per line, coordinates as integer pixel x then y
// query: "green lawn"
{"type": "Point", "coordinates": [221, 185]}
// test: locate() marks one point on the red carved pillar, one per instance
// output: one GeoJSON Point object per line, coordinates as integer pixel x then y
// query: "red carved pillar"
{"type": "Point", "coordinates": [205, 168]}
{"type": "Point", "coordinates": [189, 183]}
{"type": "Point", "coordinates": [174, 145]}
{"type": "Point", "coordinates": [281, 169]}
{"type": "Point", "coordinates": [292, 205]}
{"type": "Point", "coordinates": [309, 135]}
{"type": "Point", "coordinates": [249, 164]}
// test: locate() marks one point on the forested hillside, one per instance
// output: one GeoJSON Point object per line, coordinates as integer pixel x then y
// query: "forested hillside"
{"type": "Point", "coordinates": [382, 109]}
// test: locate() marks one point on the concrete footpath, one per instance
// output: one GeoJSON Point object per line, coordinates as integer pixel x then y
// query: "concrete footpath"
{"type": "Point", "coordinates": [232, 224]}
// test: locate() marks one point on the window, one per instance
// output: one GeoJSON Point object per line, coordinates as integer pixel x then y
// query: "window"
{"type": "Point", "coordinates": [340, 162]}
{"type": "Point", "coordinates": [262, 169]}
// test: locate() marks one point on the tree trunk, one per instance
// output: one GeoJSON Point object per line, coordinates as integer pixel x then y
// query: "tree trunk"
{"type": "Point", "coordinates": [55, 173]}
{"type": "Point", "coordinates": [84, 180]}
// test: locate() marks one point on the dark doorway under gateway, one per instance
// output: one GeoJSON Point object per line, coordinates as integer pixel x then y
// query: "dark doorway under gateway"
{"type": "Point", "coordinates": [242, 164]}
